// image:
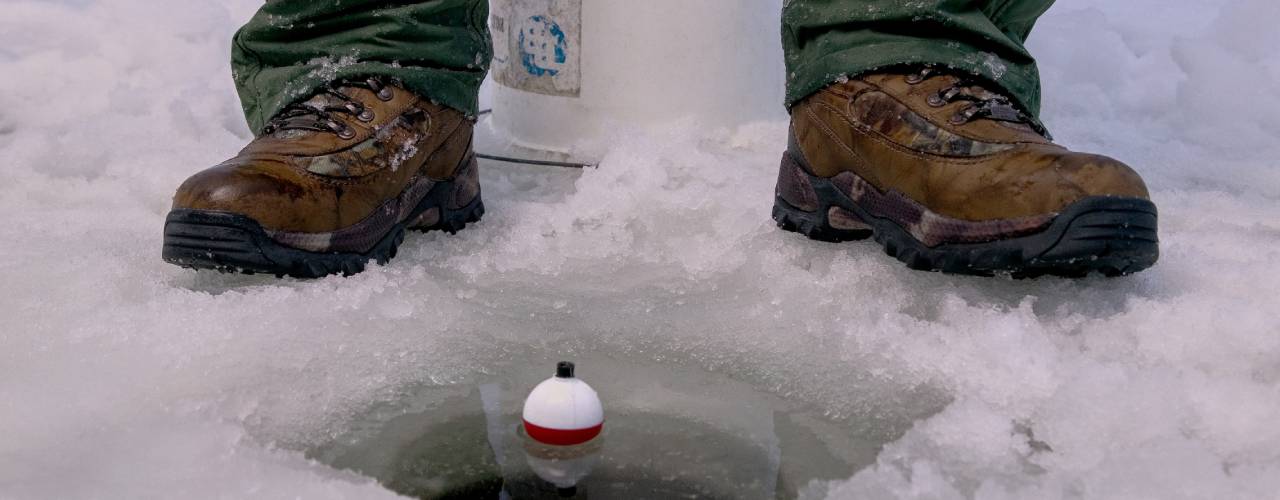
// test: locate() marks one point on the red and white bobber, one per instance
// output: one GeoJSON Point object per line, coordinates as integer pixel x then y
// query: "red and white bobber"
{"type": "Point", "coordinates": [562, 410]}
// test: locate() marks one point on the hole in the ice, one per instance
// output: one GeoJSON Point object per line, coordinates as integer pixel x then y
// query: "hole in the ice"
{"type": "Point", "coordinates": [671, 431]}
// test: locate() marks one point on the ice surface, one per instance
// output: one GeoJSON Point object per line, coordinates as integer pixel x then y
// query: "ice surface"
{"type": "Point", "coordinates": [122, 376]}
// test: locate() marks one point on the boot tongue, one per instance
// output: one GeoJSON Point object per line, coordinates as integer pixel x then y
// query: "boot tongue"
{"type": "Point", "coordinates": [322, 100]}
{"type": "Point", "coordinates": [982, 93]}
{"type": "Point", "coordinates": [298, 117]}
{"type": "Point", "coordinates": [998, 108]}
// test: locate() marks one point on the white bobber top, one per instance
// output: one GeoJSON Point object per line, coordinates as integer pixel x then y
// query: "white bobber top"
{"type": "Point", "coordinates": [563, 410]}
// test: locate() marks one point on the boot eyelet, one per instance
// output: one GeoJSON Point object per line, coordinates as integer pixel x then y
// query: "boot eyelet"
{"type": "Point", "coordinates": [961, 118]}
{"type": "Point", "coordinates": [919, 76]}
{"type": "Point", "coordinates": [936, 101]}
{"type": "Point", "coordinates": [365, 116]}
{"type": "Point", "coordinates": [346, 133]}
{"type": "Point", "coordinates": [386, 94]}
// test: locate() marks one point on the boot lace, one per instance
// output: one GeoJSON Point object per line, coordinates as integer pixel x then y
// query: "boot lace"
{"type": "Point", "coordinates": [321, 114]}
{"type": "Point", "coordinates": [983, 103]}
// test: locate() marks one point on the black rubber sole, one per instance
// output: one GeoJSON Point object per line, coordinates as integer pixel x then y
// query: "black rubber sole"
{"type": "Point", "coordinates": [233, 243]}
{"type": "Point", "coordinates": [1113, 236]}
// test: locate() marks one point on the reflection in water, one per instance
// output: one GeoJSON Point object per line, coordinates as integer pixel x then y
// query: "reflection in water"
{"type": "Point", "coordinates": [564, 467]}
{"type": "Point", "coordinates": [671, 432]}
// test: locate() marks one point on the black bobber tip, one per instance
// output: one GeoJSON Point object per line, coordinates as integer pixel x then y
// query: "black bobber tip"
{"type": "Point", "coordinates": [564, 369]}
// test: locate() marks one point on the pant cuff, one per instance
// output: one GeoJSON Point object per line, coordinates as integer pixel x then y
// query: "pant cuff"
{"type": "Point", "coordinates": [1021, 82]}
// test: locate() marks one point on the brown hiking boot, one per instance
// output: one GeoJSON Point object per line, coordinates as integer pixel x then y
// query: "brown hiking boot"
{"type": "Point", "coordinates": [951, 177]}
{"type": "Point", "coordinates": [332, 183]}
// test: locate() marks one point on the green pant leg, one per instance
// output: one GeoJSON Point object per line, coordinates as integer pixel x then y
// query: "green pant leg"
{"type": "Point", "coordinates": [437, 48]}
{"type": "Point", "coordinates": [826, 40]}
{"type": "Point", "coordinates": [1015, 17]}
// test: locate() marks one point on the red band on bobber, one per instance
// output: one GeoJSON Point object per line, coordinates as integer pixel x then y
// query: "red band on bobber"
{"type": "Point", "coordinates": [558, 437]}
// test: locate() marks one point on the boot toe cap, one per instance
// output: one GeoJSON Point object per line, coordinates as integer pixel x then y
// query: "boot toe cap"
{"type": "Point", "coordinates": [263, 192]}
{"type": "Point", "coordinates": [1096, 175]}
{"type": "Point", "coordinates": [1040, 185]}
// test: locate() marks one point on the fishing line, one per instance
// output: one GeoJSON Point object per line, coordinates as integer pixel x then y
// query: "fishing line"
{"type": "Point", "coordinates": [527, 161]}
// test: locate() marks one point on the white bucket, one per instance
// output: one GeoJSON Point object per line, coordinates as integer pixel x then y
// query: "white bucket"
{"type": "Point", "coordinates": [568, 72]}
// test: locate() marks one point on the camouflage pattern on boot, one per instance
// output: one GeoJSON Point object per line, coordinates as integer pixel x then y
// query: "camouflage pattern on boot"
{"type": "Point", "coordinates": [950, 176]}
{"type": "Point", "coordinates": [332, 183]}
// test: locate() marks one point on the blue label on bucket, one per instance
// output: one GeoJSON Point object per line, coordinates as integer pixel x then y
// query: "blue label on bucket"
{"type": "Point", "coordinates": [537, 46]}
{"type": "Point", "coordinates": [543, 46]}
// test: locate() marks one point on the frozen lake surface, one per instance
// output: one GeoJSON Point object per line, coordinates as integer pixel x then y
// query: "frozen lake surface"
{"type": "Point", "coordinates": [124, 377]}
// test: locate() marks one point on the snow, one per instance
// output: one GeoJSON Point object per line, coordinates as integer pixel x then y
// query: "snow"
{"type": "Point", "coordinates": [122, 376]}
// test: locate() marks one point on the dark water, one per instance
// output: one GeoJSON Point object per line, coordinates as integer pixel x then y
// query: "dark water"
{"type": "Point", "coordinates": [670, 432]}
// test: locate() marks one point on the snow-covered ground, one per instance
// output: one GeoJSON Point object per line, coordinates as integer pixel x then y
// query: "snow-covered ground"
{"type": "Point", "coordinates": [124, 377]}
